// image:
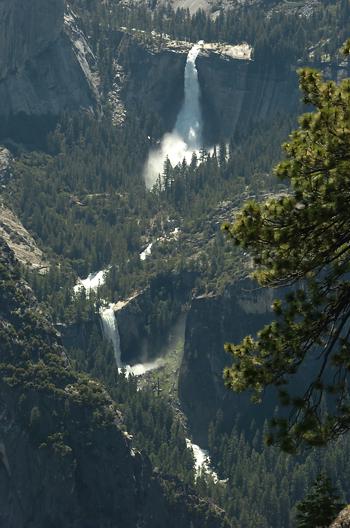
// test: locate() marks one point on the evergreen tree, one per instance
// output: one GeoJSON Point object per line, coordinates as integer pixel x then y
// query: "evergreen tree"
{"type": "Point", "coordinates": [301, 239]}
{"type": "Point", "coordinates": [320, 506]}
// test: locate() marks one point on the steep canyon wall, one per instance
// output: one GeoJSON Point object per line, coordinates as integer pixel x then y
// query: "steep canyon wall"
{"type": "Point", "coordinates": [213, 320]}
{"type": "Point", "coordinates": [235, 94]}
{"type": "Point", "coordinates": [45, 66]}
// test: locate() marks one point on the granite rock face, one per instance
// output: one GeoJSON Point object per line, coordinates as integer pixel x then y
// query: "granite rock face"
{"type": "Point", "coordinates": [153, 79]}
{"type": "Point", "coordinates": [140, 333]}
{"type": "Point", "coordinates": [236, 93]}
{"type": "Point", "coordinates": [45, 65]}
{"type": "Point", "coordinates": [26, 30]}
{"type": "Point", "coordinates": [343, 519]}
{"type": "Point", "coordinates": [242, 309]}
{"type": "Point", "coordinates": [20, 241]}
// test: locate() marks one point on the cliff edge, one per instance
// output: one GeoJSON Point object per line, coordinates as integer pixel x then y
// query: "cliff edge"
{"type": "Point", "coordinates": [46, 65]}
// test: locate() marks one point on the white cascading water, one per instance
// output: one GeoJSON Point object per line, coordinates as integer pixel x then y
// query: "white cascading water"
{"type": "Point", "coordinates": [111, 332]}
{"type": "Point", "coordinates": [202, 462]}
{"type": "Point", "coordinates": [186, 137]}
{"type": "Point", "coordinates": [189, 121]}
{"type": "Point", "coordinates": [92, 282]}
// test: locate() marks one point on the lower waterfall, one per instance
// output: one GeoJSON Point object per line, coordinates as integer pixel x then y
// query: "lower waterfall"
{"type": "Point", "coordinates": [111, 332]}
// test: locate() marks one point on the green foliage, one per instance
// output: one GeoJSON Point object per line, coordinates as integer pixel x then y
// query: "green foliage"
{"type": "Point", "coordinates": [320, 506]}
{"type": "Point", "coordinates": [50, 400]}
{"type": "Point", "coordinates": [69, 198]}
{"type": "Point", "coordinates": [301, 238]}
{"type": "Point", "coordinates": [83, 202]}
{"type": "Point", "coordinates": [151, 418]}
{"type": "Point", "coordinates": [73, 425]}
{"type": "Point", "coordinates": [261, 485]}
{"type": "Point", "coordinates": [282, 37]}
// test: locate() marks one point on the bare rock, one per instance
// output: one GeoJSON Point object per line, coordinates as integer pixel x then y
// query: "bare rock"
{"type": "Point", "coordinates": [46, 65]}
{"type": "Point", "coordinates": [5, 164]}
{"type": "Point", "coordinates": [19, 240]}
{"type": "Point", "coordinates": [343, 519]}
{"type": "Point", "coordinates": [26, 30]}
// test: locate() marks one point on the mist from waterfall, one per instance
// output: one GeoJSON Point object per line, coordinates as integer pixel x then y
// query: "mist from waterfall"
{"type": "Point", "coordinates": [186, 137]}
{"type": "Point", "coordinates": [111, 332]}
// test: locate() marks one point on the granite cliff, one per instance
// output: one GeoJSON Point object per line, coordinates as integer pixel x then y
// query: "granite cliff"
{"type": "Point", "coordinates": [45, 66]}
{"type": "Point", "coordinates": [343, 519]}
{"type": "Point", "coordinates": [142, 330]}
{"type": "Point", "coordinates": [214, 319]}
{"type": "Point", "coordinates": [26, 30]}
{"type": "Point", "coordinates": [239, 87]}
{"type": "Point", "coordinates": [237, 92]}
{"type": "Point", "coordinates": [153, 79]}
{"type": "Point", "coordinates": [241, 309]}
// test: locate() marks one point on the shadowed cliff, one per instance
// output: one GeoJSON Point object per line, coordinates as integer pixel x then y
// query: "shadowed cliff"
{"type": "Point", "coordinates": [45, 67]}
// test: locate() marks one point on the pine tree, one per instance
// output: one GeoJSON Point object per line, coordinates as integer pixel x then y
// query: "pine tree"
{"type": "Point", "coordinates": [320, 506]}
{"type": "Point", "coordinates": [302, 238]}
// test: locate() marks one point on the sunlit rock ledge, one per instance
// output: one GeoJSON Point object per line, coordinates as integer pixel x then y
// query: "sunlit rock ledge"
{"type": "Point", "coordinates": [343, 519]}
{"type": "Point", "coordinates": [157, 43]}
{"type": "Point", "coordinates": [229, 51]}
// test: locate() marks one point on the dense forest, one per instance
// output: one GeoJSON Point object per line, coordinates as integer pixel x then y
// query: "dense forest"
{"type": "Point", "coordinates": [81, 194]}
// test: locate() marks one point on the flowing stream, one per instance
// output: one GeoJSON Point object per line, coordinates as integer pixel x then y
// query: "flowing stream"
{"type": "Point", "coordinates": [189, 121]}
{"type": "Point", "coordinates": [111, 332]}
{"type": "Point", "coordinates": [186, 137]}
{"type": "Point", "coordinates": [202, 462]}
{"type": "Point", "coordinates": [91, 283]}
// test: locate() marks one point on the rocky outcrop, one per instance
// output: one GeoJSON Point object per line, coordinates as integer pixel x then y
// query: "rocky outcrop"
{"type": "Point", "coordinates": [236, 92]}
{"type": "Point", "coordinates": [213, 320]}
{"type": "Point", "coordinates": [20, 241]}
{"type": "Point", "coordinates": [153, 80]}
{"type": "Point", "coordinates": [64, 457]}
{"type": "Point", "coordinates": [5, 165]}
{"type": "Point", "coordinates": [26, 30]}
{"type": "Point", "coordinates": [131, 316]}
{"type": "Point", "coordinates": [343, 519]}
{"type": "Point", "coordinates": [44, 66]}
{"type": "Point", "coordinates": [138, 318]}
{"type": "Point", "coordinates": [11, 228]}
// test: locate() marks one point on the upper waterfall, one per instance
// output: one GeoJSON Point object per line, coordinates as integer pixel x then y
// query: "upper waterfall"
{"type": "Point", "coordinates": [189, 121]}
{"type": "Point", "coordinates": [111, 332]}
{"type": "Point", "coordinates": [186, 137]}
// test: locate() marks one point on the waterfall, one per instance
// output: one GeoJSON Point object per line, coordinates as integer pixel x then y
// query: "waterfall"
{"type": "Point", "coordinates": [111, 332]}
{"type": "Point", "coordinates": [186, 137]}
{"type": "Point", "coordinates": [92, 282]}
{"type": "Point", "coordinates": [189, 121]}
{"type": "Point", "coordinates": [202, 462]}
